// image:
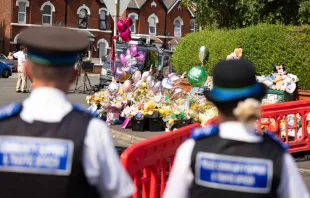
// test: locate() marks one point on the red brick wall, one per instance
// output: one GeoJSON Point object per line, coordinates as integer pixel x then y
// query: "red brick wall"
{"type": "Point", "coordinates": [146, 11]}
{"type": "Point", "coordinates": [184, 14]}
{"type": "Point", "coordinates": [5, 20]}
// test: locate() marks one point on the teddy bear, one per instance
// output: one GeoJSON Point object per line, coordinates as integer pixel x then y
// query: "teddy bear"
{"type": "Point", "coordinates": [237, 54]}
{"type": "Point", "coordinates": [278, 82]}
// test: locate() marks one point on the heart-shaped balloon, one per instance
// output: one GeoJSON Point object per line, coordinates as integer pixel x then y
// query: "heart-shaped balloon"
{"type": "Point", "coordinates": [149, 82]}
{"type": "Point", "coordinates": [128, 52]}
{"type": "Point", "coordinates": [133, 50]}
{"type": "Point", "coordinates": [121, 26]}
{"type": "Point", "coordinates": [127, 86]}
{"type": "Point", "coordinates": [136, 76]}
{"type": "Point", "coordinates": [130, 61]}
{"type": "Point", "coordinates": [176, 94]}
{"type": "Point", "coordinates": [113, 88]}
{"type": "Point", "coordinates": [126, 35]}
{"type": "Point", "coordinates": [128, 22]}
{"type": "Point", "coordinates": [122, 59]}
{"type": "Point", "coordinates": [156, 87]}
{"type": "Point", "coordinates": [145, 75]}
{"type": "Point", "coordinates": [140, 57]}
{"type": "Point", "coordinates": [119, 73]}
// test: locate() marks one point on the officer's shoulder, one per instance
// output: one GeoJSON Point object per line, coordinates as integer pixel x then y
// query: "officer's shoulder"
{"type": "Point", "coordinates": [83, 110]}
{"type": "Point", "coordinates": [272, 137]}
{"type": "Point", "coordinates": [10, 110]}
{"type": "Point", "coordinates": [203, 132]}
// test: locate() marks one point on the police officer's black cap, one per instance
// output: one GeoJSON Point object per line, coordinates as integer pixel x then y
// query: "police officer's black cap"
{"type": "Point", "coordinates": [53, 46]}
{"type": "Point", "coordinates": [235, 80]}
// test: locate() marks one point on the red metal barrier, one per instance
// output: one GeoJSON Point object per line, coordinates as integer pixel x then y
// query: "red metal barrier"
{"type": "Point", "coordinates": [290, 121]}
{"type": "Point", "coordinates": [149, 162]}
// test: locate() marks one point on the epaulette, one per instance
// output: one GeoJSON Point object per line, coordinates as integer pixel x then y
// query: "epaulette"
{"type": "Point", "coordinates": [202, 132]}
{"type": "Point", "coordinates": [10, 110]}
{"type": "Point", "coordinates": [80, 109]}
{"type": "Point", "coordinates": [273, 137]}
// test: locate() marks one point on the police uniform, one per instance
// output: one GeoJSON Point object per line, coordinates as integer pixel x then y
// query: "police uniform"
{"type": "Point", "coordinates": [230, 159]}
{"type": "Point", "coordinates": [51, 148]}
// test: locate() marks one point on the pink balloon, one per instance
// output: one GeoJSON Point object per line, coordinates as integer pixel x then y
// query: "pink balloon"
{"type": "Point", "coordinates": [128, 52]}
{"type": "Point", "coordinates": [122, 59]}
{"type": "Point", "coordinates": [137, 76]}
{"type": "Point", "coordinates": [134, 50]}
{"type": "Point", "coordinates": [130, 70]}
{"type": "Point", "coordinates": [127, 86]}
{"type": "Point", "coordinates": [128, 22]}
{"type": "Point", "coordinates": [141, 57]}
{"type": "Point", "coordinates": [121, 26]}
{"type": "Point", "coordinates": [126, 35]}
{"type": "Point", "coordinates": [119, 73]}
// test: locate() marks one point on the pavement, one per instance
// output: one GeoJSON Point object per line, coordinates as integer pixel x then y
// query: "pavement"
{"type": "Point", "coordinates": [122, 137]}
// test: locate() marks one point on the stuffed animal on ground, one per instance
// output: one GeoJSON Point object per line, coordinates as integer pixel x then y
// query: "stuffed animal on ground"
{"type": "Point", "coordinates": [279, 70]}
{"type": "Point", "coordinates": [237, 54]}
{"type": "Point", "coordinates": [278, 81]}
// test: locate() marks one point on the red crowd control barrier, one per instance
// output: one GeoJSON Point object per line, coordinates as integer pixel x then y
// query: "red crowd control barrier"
{"type": "Point", "coordinates": [149, 162]}
{"type": "Point", "coordinates": [290, 121]}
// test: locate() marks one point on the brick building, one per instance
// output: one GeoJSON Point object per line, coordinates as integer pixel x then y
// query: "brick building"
{"type": "Point", "coordinates": [164, 21]}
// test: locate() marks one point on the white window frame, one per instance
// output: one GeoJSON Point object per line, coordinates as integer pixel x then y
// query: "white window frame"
{"type": "Point", "coordinates": [180, 20]}
{"type": "Point", "coordinates": [190, 29]}
{"type": "Point", "coordinates": [48, 3]}
{"type": "Point", "coordinates": [135, 17]}
{"type": "Point", "coordinates": [156, 21]}
{"type": "Point", "coordinates": [88, 13]}
{"type": "Point", "coordinates": [106, 17]}
{"type": "Point", "coordinates": [26, 2]}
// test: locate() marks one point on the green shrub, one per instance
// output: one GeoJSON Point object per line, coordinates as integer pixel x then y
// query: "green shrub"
{"type": "Point", "coordinates": [264, 45]}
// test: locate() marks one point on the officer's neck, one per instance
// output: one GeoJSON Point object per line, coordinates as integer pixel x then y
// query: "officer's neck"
{"type": "Point", "coordinates": [225, 118]}
{"type": "Point", "coordinates": [59, 86]}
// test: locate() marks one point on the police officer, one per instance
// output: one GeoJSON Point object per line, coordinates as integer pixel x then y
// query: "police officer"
{"type": "Point", "coordinates": [48, 147]}
{"type": "Point", "coordinates": [230, 159]}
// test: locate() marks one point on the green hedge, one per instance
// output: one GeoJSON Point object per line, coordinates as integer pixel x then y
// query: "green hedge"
{"type": "Point", "coordinates": [264, 45]}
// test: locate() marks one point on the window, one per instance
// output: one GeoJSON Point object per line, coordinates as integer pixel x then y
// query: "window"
{"type": "Point", "coordinates": [152, 20]}
{"type": "Point", "coordinates": [47, 15]}
{"type": "Point", "coordinates": [193, 26]}
{"type": "Point", "coordinates": [83, 18]}
{"type": "Point", "coordinates": [103, 20]}
{"type": "Point", "coordinates": [133, 27]}
{"type": "Point", "coordinates": [177, 28]}
{"type": "Point", "coordinates": [152, 26]}
{"type": "Point", "coordinates": [22, 12]}
{"type": "Point", "coordinates": [47, 9]}
{"type": "Point", "coordinates": [134, 17]}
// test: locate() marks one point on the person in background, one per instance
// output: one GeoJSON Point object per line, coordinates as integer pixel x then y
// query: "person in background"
{"type": "Point", "coordinates": [22, 78]}
{"type": "Point", "coordinates": [10, 56]}
{"type": "Point", "coordinates": [230, 159]}
{"type": "Point", "coordinates": [51, 148]}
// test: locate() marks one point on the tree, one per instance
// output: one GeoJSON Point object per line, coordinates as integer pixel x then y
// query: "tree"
{"type": "Point", "coordinates": [243, 13]}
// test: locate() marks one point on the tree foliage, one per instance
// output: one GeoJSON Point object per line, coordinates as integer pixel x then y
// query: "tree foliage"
{"type": "Point", "coordinates": [244, 13]}
{"type": "Point", "coordinates": [264, 45]}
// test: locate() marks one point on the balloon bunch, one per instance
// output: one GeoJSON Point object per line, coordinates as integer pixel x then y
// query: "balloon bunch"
{"type": "Point", "coordinates": [128, 61]}
{"type": "Point", "coordinates": [123, 28]}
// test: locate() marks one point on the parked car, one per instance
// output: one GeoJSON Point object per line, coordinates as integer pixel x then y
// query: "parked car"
{"type": "Point", "coordinates": [5, 70]}
{"type": "Point", "coordinates": [10, 63]}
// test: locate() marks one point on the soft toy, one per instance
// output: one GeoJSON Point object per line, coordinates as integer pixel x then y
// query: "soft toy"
{"type": "Point", "coordinates": [237, 54]}
{"type": "Point", "coordinates": [279, 70]}
{"type": "Point", "coordinates": [278, 81]}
